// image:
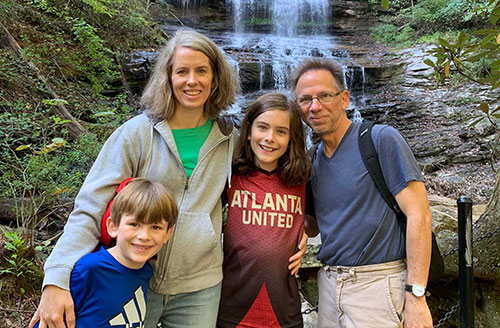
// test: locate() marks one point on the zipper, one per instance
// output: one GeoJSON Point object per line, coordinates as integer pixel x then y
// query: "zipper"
{"type": "Point", "coordinates": [168, 251]}
{"type": "Point", "coordinates": [206, 154]}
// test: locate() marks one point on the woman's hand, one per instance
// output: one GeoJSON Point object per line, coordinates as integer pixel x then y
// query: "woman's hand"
{"type": "Point", "coordinates": [296, 258]}
{"type": "Point", "coordinates": [55, 308]}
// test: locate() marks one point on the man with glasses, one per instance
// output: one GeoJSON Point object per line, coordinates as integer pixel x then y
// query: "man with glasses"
{"type": "Point", "coordinates": [374, 276]}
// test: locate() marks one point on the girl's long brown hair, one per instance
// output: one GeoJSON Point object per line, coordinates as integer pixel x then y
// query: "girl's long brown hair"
{"type": "Point", "coordinates": [294, 166]}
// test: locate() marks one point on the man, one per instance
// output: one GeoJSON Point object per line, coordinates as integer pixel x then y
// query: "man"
{"type": "Point", "coordinates": [369, 262]}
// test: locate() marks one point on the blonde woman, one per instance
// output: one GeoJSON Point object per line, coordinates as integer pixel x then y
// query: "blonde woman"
{"type": "Point", "coordinates": [181, 141]}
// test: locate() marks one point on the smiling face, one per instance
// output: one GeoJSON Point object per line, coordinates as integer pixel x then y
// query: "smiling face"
{"type": "Point", "coordinates": [191, 79]}
{"type": "Point", "coordinates": [322, 118]}
{"type": "Point", "coordinates": [137, 242]}
{"type": "Point", "coordinates": [269, 138]}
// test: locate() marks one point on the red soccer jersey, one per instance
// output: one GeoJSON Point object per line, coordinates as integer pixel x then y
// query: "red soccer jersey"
{"type": "Point", "coordinates": [264, 226]}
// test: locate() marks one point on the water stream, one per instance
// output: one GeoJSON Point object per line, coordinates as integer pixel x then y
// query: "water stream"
{"type": "Point", "coordinates": [270, 38]}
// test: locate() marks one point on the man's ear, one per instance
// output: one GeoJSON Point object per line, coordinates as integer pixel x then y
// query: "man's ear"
{"type": "Point", "coordinates": [345, 99]}
{"type": "Point", "coordinates": [169, 233]}
{"type": "Point", "coordinates": [112, 228]}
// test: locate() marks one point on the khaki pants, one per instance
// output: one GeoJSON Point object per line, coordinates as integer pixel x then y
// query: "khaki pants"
{"type": "Point", "coordinates": [369, 296]}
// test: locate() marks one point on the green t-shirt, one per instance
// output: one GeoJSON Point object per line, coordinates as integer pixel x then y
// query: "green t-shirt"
{"type": "Point", "coordinates": [189, 142]}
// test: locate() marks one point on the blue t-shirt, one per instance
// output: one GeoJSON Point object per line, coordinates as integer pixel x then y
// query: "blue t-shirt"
{"type": "Point", "coordinates": [107, 294]}
{"type": "Point", "coordinates": [357, 226]}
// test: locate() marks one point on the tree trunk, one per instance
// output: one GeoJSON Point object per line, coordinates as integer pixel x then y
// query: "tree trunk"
{"type": "Point", "coordinates": [487, 250]}
{"type": "Point", "coordinates": [74, 127]}
{"type": "Point", "coordinates": [486, 243]}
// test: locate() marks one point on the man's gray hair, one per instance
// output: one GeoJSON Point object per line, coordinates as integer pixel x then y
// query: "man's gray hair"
{"type": "Point", "coordinates": [315, 64]}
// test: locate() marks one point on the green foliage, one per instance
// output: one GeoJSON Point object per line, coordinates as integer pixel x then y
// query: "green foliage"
{"type": "Point", "coordinates": [44, 5]}
{"type": "Point", "coordinates": [96, 60]}
{"type": "Point", "coordinates": [384, 32]}
{"type": "Point", "coordinates": [434, 37]}
{"type": "Point", "coordinates": [11, 71]}
{"type": "Point", "coordinates": [37, 164]}
{"type": "Point", "coordinates": [474, 56]}
{"type": "Point", "coordinates": [15, 244]}
{"type": "Point", "coordinates": [52, 170]}
{"type": "Point", "coordinates": [101, 7]}
{"type": "Point", "coordinates": [114, 114]}
{"type": "Point", "coordinates": [17, 128]}
{"type": "Point", "coordinates": [79, 39]}
{"type": "Point", "coordinates": [19, 262]}
{"type": "Point", "coordinates": [390, 34]}
{"type": "Point", "coordinates": [73, 45]}
{"type": "Point", "coordinates": [436, 14]}
{"type": "Point", "coordinates": [464, 57]}
{"type": "Point", "coordinates": [41, 176]}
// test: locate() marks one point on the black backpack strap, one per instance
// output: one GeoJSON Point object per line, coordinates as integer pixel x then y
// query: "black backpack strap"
{"type": "Point", "coordinates": [310, 210]}
{"type": "Point", "coordinates": [370, 159]}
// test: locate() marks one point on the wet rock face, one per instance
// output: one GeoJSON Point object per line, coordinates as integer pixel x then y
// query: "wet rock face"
{"type": "Point", "coordinates": [394, 88]}
{"type": "Point", "coordinates": [136, 68]}
{"type": "Point", "coordinates": [399, 90]}
{"type": "Point", "coordinates": [436, 123]}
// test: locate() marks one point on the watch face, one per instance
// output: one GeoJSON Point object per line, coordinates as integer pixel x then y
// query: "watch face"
{"type": "Point", "coordinates": [418, 290]}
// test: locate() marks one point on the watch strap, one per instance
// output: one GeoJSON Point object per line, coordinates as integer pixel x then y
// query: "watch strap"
{"type": "Point", "coordinates": [409, 288]}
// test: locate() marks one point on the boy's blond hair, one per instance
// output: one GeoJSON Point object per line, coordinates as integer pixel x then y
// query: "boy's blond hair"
{"type": "Point", "coordinates": [149, 201]}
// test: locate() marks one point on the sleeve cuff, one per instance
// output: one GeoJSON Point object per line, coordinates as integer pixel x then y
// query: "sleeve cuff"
{"type": "Point", "coordinates": [58, 277]}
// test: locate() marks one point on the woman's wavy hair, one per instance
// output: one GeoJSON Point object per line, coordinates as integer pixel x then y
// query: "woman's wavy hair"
{"type": "Point", "coordinates": [158, 98]}
{"type": "Point", "coordinates": [294, 166]}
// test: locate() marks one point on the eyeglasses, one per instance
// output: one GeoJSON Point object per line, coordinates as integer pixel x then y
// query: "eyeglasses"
{"type": "Point", "coordinates": [324, 98]}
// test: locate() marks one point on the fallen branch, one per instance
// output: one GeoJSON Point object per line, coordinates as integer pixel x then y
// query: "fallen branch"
{"type": "Point", "coordinates": [16, 310]}
{"type": "Point", "coordinates": [124, 79]}
{"type": "Point", "coordinates": [74, 127]}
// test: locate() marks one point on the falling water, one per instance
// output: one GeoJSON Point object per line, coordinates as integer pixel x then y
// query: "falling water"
{"type": "Point", "coordinates": [285, 15]}
{"type": "Point", "coordinates": [271, 37]}
{"type": "Point", "coordinates": [187, 4]}
{"type": "Point", "coordinates": [285, 45]}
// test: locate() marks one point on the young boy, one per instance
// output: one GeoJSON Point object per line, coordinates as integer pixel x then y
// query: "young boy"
{"type": "Point", "coordinates": [109, 286]}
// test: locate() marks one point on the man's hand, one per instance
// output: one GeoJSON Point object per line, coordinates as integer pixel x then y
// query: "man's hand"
{"type": "Point", "coordinates": [413, 202]}
{"type": "Point", "coordinates": [56, 307]}
{"type": "Point", "coordinates": [296, 258]}
{"type": "Point", "coordinates": [417, 313]}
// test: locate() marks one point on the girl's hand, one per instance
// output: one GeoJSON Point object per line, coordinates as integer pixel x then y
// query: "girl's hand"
{"type": "Point", "coordinates": [296, 258]}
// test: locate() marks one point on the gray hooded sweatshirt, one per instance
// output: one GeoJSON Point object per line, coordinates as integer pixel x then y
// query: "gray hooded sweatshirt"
{"type": "Point", "coordinates": [192, 258]}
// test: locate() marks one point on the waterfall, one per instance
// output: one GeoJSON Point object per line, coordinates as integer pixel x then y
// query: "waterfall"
{"type": "Point", "coordinates": [286, 44]}
{"type": "Point", "coordinates": [354, 77]}
{"type": "Point", "coordinates": [187, 4]}
{"type": "Point", "coordinates": [271, 37]}
{"type": "Point", "coordinates": [285, 16]}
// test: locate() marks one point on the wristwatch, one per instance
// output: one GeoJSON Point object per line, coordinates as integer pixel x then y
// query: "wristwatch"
{"type": "Point", "coordinates": [417, 290]}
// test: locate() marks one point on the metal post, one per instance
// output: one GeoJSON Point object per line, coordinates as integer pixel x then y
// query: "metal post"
{"type": "Point", "coordinates": [465, 267]}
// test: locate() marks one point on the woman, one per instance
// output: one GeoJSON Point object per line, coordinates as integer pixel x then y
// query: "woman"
{"type": "Point", "coordinates": [181, 141]}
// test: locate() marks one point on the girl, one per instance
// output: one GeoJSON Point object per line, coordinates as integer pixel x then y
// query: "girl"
{"type": "Point", "coordinates": [266, 217]}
